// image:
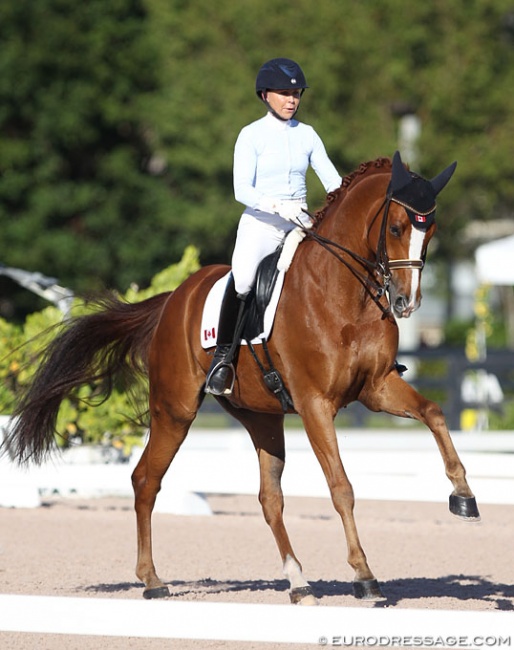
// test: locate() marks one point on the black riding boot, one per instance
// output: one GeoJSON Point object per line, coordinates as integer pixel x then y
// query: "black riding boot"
{"type": "Point", "coordinates": [221, 375]}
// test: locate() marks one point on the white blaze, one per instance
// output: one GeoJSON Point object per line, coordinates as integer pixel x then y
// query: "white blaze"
{"type": "Point", "coordinates": [417, 238]}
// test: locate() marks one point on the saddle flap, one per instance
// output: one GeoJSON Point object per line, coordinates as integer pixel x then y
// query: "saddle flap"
{"type": "Point", "coordinates": [211, 311]}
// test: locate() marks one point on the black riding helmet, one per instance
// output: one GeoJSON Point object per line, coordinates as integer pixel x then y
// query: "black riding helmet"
{"type": "Point", "coordinates": [279, 74]}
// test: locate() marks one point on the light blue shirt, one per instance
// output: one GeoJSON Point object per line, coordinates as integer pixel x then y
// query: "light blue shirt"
{"type": "Point", "coordinates": [271, 158]}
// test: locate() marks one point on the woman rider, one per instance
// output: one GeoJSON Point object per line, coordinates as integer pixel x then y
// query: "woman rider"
{"type": "Point", "coordinates": [271, 158]}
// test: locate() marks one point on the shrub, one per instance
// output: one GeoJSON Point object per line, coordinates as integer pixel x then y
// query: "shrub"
{"type": "Point", "coordinates": [82, 416]}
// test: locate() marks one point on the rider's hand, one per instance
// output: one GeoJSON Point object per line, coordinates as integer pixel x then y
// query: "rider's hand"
{"type": "Point", "coordinates": [292, 211]}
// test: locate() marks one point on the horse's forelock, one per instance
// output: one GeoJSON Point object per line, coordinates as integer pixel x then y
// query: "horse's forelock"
{"type": "Point", "coordinates": [364, 170]}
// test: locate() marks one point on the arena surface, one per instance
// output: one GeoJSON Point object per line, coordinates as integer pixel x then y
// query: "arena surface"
{"type": "Point", "coordinates": [423, 556]}
{"type": "Point", "coordinates": [75, 551]}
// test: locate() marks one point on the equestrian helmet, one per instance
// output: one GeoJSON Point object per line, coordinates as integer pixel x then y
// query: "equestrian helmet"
{"type": "Point", "coordinates": [280, 74]}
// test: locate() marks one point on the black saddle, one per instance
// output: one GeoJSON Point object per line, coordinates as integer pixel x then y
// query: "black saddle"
{"type": "Point", "coordinates": [260, 295]}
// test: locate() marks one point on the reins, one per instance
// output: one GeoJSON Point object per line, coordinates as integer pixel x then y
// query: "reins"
{"type": "Point", "coordinates": [380, 268]}
{"type": "Point", "coordinates": [375, 289]}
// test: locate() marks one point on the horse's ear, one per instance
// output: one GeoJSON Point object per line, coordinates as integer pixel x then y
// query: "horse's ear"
{"type": "Point", "coordinates": [441, 179]}
{"type": "Point", "coordinates": [400, 177]}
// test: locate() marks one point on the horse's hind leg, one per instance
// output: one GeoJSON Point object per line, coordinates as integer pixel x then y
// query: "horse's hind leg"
{"type": "Point", "coordinates": [267, 434]}
{"type": "Point", "coordinates": [164, 442]}
{"type": "Point", "coordinates": [398, 398]}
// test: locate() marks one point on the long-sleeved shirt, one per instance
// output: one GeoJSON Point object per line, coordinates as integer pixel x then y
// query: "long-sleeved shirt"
{"type": "Point", "coordinates": [271, 158]}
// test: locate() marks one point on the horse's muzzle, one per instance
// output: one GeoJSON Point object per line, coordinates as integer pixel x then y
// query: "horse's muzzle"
{"type": "Point", "coordinates": [403, 307]}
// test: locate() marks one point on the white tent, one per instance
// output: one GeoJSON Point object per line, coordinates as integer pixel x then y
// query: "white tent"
{"type": "Point", "coordinates": [495, 262]}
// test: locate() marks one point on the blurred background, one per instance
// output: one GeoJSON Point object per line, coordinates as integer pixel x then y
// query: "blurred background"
{"type": "Point", "coordinates": [118, 121]}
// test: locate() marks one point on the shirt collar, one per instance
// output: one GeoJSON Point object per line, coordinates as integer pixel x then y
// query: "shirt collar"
{"type": "Point", "coordinates": [280, 125]}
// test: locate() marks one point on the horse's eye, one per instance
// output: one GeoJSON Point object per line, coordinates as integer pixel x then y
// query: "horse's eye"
{"type": "Point", "coordinates": [395, 231]}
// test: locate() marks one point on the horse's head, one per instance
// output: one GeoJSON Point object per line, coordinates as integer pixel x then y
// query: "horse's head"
{"type": "Point", "coordinates": [378, 224]}
{"type": "Point", "coordinates": [407, 227]}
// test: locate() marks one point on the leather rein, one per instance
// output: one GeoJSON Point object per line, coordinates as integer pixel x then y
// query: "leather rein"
{"type": "Point", "coordinates": [377, 279]}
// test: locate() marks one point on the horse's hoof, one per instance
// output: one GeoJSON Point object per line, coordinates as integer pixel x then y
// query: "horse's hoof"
{"type": "Point", "coordinates": [367, 590]}
{"type": "Point", "coordinates": [156, 592]}
{"type": "Point", "coordinates": [303, 596]}
{"type": "Point", "coordinates": [464, 507]}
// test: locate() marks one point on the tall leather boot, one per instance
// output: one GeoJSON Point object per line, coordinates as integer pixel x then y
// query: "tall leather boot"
{"type": "Point", "coordinates": [221, 375]}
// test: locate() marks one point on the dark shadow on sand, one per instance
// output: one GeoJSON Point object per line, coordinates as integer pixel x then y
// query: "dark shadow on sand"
{"type": "Point", "coordinates": [459, 587]}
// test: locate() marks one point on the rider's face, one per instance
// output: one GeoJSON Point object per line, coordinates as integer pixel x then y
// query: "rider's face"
{"type": "Point", "coordinates": [284, 102]}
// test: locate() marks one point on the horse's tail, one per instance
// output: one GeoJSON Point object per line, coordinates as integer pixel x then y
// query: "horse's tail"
{"type": "Point", "coordinates": [99, 347]}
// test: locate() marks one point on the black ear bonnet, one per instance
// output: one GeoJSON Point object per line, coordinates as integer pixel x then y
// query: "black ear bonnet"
{"type": "Point", "coordinates": [416, 194]}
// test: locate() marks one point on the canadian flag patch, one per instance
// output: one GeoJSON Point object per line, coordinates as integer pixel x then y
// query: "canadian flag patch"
{"type": "Point", "coordinates": [209, 334]}
{"type": "Point", "coordinates": [420, 218]}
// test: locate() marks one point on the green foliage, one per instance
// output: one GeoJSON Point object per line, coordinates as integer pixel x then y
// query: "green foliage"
{"type": "Point", "coordinates": [457, 331]}
{"type": "Point", "coordinates": [502, 420]}
{"type": "Point", "coordinates": [118, 119]}
{"type": "Point", "coordinates": [82, 416]}
{"type": "Point", "coordinates": [19, 349]}
{"type": "Point", "coordinates": [169, 278]}
{"type": "Point", "coordinates": [74, 153]}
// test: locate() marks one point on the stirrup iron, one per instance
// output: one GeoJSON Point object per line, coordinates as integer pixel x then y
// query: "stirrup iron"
{"type": "Point", "coordinates": [217, 382]}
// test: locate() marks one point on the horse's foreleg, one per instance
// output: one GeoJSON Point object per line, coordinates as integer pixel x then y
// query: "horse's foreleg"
{"type": "Point", "coordinates": [322, 436]}
{"type": "Point", "coordinates": [162, 446]}
{"type": "Point", "coordinates": [398, 398]}
{"type": "Point", "coordinates": [267, 433]}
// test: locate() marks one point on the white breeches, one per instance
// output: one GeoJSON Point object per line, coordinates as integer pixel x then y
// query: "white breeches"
{"type": "Point", "coordinates": [257, 236]}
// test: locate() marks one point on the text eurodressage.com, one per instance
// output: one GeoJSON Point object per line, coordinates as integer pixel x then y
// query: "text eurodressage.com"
{"type": "Point", "coordinates": [416, 641]}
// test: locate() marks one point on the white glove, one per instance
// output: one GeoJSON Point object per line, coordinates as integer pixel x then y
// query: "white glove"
{"type": "Point", "coordinates": [291, 243]}
{"type": "Point", "coordinates": [290, 210]}
{"type": "Point", "coordinates": [305, 220]}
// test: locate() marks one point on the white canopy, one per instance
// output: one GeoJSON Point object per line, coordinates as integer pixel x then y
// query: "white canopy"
{"type": "Point", "coordinates": [495, 262]}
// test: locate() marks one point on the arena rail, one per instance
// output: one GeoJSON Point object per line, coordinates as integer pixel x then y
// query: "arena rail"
{"type": "Point", "coordinates": [376, 463]}
{"type": "Point", "coordinates": [319, 626]}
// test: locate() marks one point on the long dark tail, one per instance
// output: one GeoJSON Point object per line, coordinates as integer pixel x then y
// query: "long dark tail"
{"type": "Point", "coordinates": [99, 347]}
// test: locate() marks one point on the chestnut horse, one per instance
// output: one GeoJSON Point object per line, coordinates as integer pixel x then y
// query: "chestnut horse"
{"type": "Point", "coordinates": [334, 341]}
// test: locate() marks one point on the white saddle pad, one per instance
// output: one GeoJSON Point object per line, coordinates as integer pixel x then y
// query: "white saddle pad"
{"type": "Point", "coordinates": [211, 312]}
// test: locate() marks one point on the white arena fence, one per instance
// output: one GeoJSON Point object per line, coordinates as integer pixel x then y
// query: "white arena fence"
{"type": "Point", "coordinates": [382, 464]}
{"type": "Point", "coordinates": [277, 624]}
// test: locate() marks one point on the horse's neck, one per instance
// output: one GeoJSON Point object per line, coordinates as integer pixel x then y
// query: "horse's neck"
{"type": "Point", "coordinates": [351, 220]}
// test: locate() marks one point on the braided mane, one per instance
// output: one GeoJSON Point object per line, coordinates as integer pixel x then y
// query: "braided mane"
{"type": "Point", "coordinates": [364, 169]}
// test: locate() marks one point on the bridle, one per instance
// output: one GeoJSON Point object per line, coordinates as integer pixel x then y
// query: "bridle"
{"type": "Point", "coordinates": [377, 279]}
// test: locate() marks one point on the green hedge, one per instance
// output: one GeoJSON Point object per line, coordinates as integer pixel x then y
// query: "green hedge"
{"type": "Point", "coordinates": [80, 418]}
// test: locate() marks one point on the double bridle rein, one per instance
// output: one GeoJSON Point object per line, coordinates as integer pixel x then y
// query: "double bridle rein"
{"type": "Point", "coordinates": [378, 277]}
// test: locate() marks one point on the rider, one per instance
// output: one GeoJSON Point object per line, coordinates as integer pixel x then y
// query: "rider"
{"type": "Point", "coordinates": [271, 158]}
